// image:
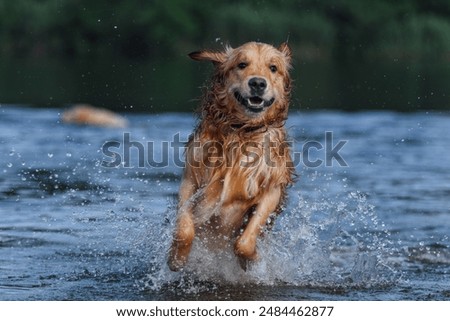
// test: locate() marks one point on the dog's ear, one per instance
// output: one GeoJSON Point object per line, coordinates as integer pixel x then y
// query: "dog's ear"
{"type": "Point", "coordinates": [213, 56]}
{"type": "Point", "coordinates": [285, 50]}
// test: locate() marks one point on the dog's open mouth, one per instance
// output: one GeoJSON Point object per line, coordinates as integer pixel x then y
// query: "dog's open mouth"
{"type": "Point", "coordinates": [255, 103]}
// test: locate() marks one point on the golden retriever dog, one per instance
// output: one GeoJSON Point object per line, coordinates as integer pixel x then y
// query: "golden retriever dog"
{"type": "Point", "coordinates": [238, 161]}
{"type": "Point", "coordinates": [93, 116]}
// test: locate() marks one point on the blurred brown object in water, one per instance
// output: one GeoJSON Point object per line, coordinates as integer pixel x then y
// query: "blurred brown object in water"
{"type": "Point", "coordinates": [94, 116]}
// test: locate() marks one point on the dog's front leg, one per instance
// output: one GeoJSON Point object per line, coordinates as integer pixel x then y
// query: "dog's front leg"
{"type": "Point", "coordinates": [185, 230]}
{"type": "Point", "coordinates": [245, 246]}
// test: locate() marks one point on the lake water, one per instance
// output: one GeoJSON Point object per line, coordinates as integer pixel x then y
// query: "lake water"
{"type": "Point", "coordinates": [374, 227]}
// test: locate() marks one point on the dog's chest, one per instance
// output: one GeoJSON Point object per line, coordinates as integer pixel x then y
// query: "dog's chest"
{"type": "Point", "coordinates": [243, 168]}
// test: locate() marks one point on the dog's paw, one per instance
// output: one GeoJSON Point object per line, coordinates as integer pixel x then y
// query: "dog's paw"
{"type": "Point", "coordinates": [244, 263]}
{"type": "Point", "coordinates": [246, 252]}
{"type": "Point", "coordinates": [176, 262]}
{"type": "Point", "coordinates": [178, 256]}
{"type": "Point", "coordinates": [175, 265]}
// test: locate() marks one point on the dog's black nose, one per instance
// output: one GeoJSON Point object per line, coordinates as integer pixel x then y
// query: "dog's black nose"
{"type": "Point", "coordinates": [257, 85]}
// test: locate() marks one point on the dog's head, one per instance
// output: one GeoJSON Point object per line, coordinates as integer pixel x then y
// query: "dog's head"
{"type": "Point", "coordinates": [252, 81]}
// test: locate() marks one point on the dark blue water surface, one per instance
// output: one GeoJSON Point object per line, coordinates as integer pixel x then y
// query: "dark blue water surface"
{"type": "Point", "coordinates": [373, 226]}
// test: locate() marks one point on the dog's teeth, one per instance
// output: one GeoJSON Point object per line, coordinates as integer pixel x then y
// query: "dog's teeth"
{"type": "Point", "coordinates": [253, 104]}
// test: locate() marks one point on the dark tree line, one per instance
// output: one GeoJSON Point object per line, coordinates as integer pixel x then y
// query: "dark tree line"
{"type": "Point", "coordinates": [318, 29]}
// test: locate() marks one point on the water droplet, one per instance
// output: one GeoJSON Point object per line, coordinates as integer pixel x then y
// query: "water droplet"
{"type": "Point", "coordinates": [9, 165]}
{"type": "Point", "coordinates": [50, 155]}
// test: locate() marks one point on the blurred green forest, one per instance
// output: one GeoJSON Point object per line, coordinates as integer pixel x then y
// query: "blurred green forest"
{"type": "Point", "coordinates": [318, 29]}
{"type": "Point", "coordinates": [130, 55]}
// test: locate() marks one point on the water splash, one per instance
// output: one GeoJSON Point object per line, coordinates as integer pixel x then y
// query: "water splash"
{"type": "Point", "coordinates": [334, 243]}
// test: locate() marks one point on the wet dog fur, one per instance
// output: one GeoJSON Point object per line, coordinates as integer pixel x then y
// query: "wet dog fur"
{"type": "Point", "coordinates": [238, 161]}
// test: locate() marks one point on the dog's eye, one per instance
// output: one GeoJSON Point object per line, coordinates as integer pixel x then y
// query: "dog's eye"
{"type": "Point", "coordinates": [242, 65]}
{"type": "Point", "coordinates": [273, 68]}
